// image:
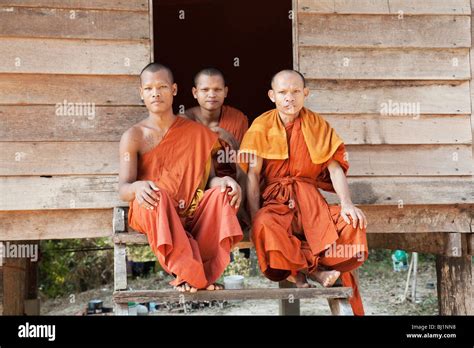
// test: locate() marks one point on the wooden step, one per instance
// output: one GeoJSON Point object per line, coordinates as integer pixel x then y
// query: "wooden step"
{"type": "Point", "coordinates": [221, 295]}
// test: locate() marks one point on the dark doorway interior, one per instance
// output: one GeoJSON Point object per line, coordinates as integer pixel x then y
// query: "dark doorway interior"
{"type": "Point", "coordinates": [193, 34]}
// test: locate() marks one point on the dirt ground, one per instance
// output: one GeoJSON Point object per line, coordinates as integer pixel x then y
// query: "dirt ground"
{"type": "Point", "coordinates": [381, 288]}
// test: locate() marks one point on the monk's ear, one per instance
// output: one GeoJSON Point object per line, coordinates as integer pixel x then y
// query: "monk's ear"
{"type": "Point", "coordinates": [141, 93]}
{"type": "Point", "coordinates": [271, 95]}
{"type": "Point", "coordinates": [194, 90]}
{"type": "Point", "coordinates": [226, 90]}
{"type": "Point", "coordinates": [306, 91]}
{"type": "Point", "coordinates": [174, 88]}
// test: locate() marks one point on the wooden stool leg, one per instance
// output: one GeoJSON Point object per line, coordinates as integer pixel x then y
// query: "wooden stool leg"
{"type": "Point", "coordinates": [340, 306]}
{"type": "Point", "coordinates": [120, 276]}
{"type": "Point", "coordinates": [290, 306]}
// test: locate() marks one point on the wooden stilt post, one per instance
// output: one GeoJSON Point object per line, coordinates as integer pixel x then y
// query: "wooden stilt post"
{"type": "Point", "coordinates": [454, 285]}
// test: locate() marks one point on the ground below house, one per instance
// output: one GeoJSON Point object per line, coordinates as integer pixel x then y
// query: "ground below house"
{"type": "Point", "coordinates": [382, 292]}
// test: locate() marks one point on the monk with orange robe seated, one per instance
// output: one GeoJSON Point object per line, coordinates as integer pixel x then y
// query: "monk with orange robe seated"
{"type": "Point", "coordinates": [166, 173]}
{"type": "Point", "coordinates": [210, 91]}
{"type": "Point", "coordinates": [290, 153]}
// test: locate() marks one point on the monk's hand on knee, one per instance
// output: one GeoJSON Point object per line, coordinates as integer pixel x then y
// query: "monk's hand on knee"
{"type": "Point", "coordinates": [146, 194]}
{"type": "Point", "coordinates": [235, 193]}
{"type": "Point", "coordinates": [358, 217]}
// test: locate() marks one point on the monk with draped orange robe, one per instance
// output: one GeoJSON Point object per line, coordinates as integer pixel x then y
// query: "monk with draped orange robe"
{"type": "Point", "coordinates": [229, 123]}
{"type": "Point", "coordinates": [295, 231]}
{"type": "Point", "coordinates": [165, 168]}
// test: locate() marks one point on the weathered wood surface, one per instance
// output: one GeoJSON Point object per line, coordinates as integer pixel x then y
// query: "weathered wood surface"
{"type": "Point", "coordinates": [455, 288]}
{"type": "Point", "coordinates": [99, 192]}
{"type": "Point", "coordinates": [135, 5]}
{"type": "Point", "coordinates": [449, 244]}
{"type": "Point", "coordinates": [14, 285]}
{"type": "Point", "coordinates": [120, 267]}
{"type": "Point", "coordinates": [102, 123]}
{"type": "Point", "coordinates": [383, 31]}
{"type": "Point", "coordinates": [108, 124]}
{"type": "Point", "coordinates": [73, 24]}
{"type": "Point", "coordinates": [244, 294]}
{"type": "Point", "coordinates": [369, 97]}
{"type": "Point", "coordinates": [288, 306]}
{"type": "Point", "coordinates": [54, 56]}
{"type": "Point", "coordinates": [74, 158]}
{"type": "Point", "coordinates": [340, 306]}
{"type": "Point", "coordinates": [384, 64]}
{"type": "Point", "coordinates": [23, 89]}
{"type": "Point", "coordinates": [55, 224]}
{"type": "Point", "coordinates": [428, 7]}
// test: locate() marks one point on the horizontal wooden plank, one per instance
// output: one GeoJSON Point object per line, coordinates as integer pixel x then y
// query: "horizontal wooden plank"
{"type": "Point", "coordinates": [384, 31]}
{"type": "Point", "coordinates": [419, 218]}
{"type": "Point", "coordinates": [386, 7]}
{"type": "Point", "coordinates": [55, 224]}
{"type": "Point", "coordinates": [65, 23]}
{"type": "Point", "coordinates": [410, 160]}
{"type": "Point", "coordinates": [384, 64]}
{"type": "Point", "coordinates": [53, 56]}
{"type": "Point", "coordinates": [46, 158]}
{"type": "Point", "coordinates": [372, 97]}
{"type": "Point", "coordinates": [74, 158]}
{"type": "Point", "coordinates": [431, 243]}
{"type": "Point", "coordinates": [100, 192]}
{"type": "Point", "coordinates": [108, 124]}
{"type": "Point", "coordinates": [379, 129]}
{"type": "Point", "coordinates": [54, 89]}
{"type": "Point", "coordinates": [26, 123]}
{"type": "Point", "coordinates": [241, 294]}
{"type": "Point", "coordinates": [134, 5]}
{"type": "Point", "coordinates": [59, 192]}
{"type": "Point", "coordinates": [408, 190]}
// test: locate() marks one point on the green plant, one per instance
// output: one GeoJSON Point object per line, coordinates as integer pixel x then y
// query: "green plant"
{"type": "Point", "coordinates": [239, 266]}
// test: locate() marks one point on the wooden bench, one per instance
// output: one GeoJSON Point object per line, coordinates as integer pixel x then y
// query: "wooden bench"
{"type": "Point", "coordinates": [287, 293]}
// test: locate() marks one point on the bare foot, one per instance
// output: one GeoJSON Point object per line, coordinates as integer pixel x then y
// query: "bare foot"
{"type": "Point", "coordinates": [325, 278]}
{"type": "Point", "coordinates": [299, 280]}
{"type": "Point", "coordinates": [185, 287]}
{"type": "Point", "coordinates": [215, 286]}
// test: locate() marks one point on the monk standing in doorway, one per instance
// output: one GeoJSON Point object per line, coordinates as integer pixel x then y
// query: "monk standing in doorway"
{"type": "Point", "coordinates": [165, 168]}
{"type": "Point", "coordinates": [292, 152]}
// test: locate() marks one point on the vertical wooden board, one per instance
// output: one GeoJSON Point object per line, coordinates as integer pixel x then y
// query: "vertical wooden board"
{"type": "Point", "coordinates": [120, 267]}
{"type": "Point", "coordinates": [53, 56]}
{"type": "Point", "coordinates": [384, 31]}
{"type": "Point", "coordinates": [384, 64]}
{"type": "Point", "coordinates": [65, 23]}
{"type": "Point", "coordinates": [359, 97]}
{"type": "Point", "coordinates": [14, 280]}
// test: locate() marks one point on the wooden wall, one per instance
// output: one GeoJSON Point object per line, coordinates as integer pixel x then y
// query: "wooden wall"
{"type": "Point", "coordinates": [58, 171]}
{"type": "Point", "coordinates": [363, 57]}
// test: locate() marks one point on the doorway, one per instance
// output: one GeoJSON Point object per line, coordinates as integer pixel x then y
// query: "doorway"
{"type": "Point", "coordinates": [247, 40]}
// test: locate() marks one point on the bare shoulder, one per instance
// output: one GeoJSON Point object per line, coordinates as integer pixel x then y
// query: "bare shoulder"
{"type": "Point", "coordinates": [133, 136]}
{"type": "Point", "coordinates": [192, 113]}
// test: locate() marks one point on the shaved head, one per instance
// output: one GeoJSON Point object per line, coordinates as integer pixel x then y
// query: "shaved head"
{"type": "Point", "coordinates": [208, 72]}
{"type": "Point", "coordinates": [154, 67]}
{"type": "Point", "coordinates": [282, 73]}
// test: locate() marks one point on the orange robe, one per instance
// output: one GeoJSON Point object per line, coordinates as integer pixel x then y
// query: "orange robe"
{"type": "Point", "coordinates": [191, 231]}
{"type": "Point", "coordinates": [296, 229]}
{"type": "Point", "coordinates": [236, 123]}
